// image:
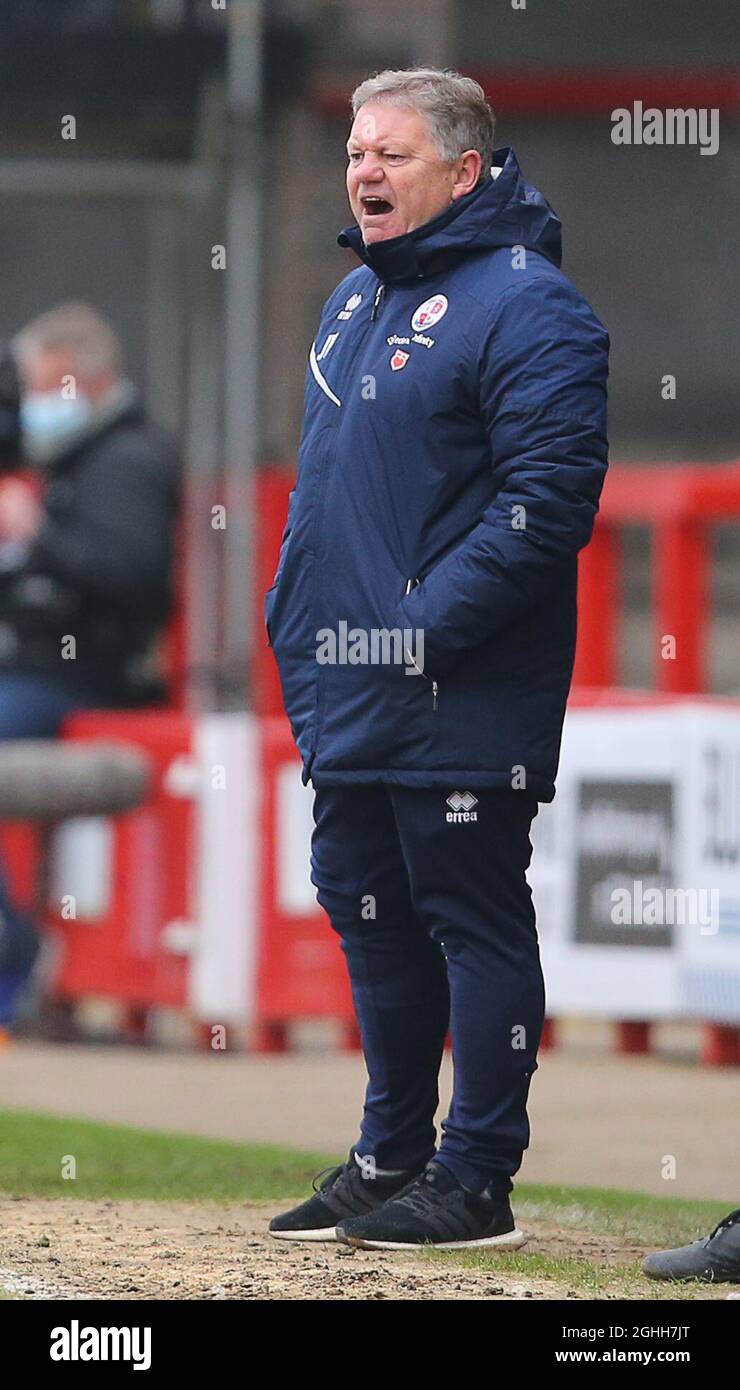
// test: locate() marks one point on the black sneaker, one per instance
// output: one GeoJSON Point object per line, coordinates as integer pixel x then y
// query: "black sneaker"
{"type": "Point", "coordinates": [346, 1191]}
{"type": "Point", "coordinates": [715, 1259]}
{"type": "Point", "coordinates": [435, 1209]}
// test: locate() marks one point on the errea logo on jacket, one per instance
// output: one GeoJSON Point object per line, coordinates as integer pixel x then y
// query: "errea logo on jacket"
{"type": "Point", "coordinates": [462, 804]}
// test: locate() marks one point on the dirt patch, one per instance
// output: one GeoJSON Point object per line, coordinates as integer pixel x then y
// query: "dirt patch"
{"type": "Point", "coordinates": [150, 1250]}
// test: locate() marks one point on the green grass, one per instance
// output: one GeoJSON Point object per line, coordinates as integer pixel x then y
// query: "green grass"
{"type": "Point", "coordinates": [624, 1215]}
{"type": "Point", "coordinates": [115, 1161]}
{"type": "Point", "coordinates": [118, 1162]}
{"type": "Point", "coordinates": [589, 1278]}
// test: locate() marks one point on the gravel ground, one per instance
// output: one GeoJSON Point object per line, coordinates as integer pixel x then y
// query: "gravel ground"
{"type": "Point", "coordinates": [69, 1249]}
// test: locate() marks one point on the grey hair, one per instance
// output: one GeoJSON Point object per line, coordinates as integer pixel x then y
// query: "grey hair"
{"type": "Point", "coordinates": [91, 340]}
{"type": "Point", "coordinates": [455, 106]}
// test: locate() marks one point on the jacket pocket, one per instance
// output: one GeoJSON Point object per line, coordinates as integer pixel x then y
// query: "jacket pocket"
{"type": "Point", "coordinates": [410, 584]}
{"type": "Point", "coordinates": [270, 595]}
{"type": "Point", "coordinates": [284, 539]}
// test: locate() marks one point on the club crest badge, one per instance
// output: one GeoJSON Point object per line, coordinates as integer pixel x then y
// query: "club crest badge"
{"type": "Point", "coordinates": [429, 313]}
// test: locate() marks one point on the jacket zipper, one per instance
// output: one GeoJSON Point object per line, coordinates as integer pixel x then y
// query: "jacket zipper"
{"type": "Point", "coordinates": [377, 301]}
{"type": "Point", "coordinates": [319, 520]}
{"type": "Point", "coordinates": [318, 526]}
{"type": "Point", "coordinates": [435, 688]}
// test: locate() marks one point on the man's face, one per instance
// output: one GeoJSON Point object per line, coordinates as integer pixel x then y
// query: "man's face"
{"type": "Point", "coordinates": [47, 369]}
{"type": "Point", "coordinates": [396, 179]}
{"type": "Point", "coordinates": [50, 369]}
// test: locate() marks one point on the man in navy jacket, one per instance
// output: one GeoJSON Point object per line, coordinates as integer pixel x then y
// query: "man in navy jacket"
{"type": "Point", "coordinates": [423, 618]}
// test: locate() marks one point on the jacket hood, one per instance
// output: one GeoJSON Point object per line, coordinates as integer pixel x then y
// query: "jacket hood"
{"type": "Point", "coordinates": [505, 210]}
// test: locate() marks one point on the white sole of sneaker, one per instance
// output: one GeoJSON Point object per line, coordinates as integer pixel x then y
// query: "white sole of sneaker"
{"type": "Point", "coordinates": [511, 1240]}
{"type": "Point", "coordinates": [327, 1233]}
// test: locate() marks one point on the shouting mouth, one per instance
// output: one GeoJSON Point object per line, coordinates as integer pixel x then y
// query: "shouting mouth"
{"type": "Point", "coordinates": [373, 206]}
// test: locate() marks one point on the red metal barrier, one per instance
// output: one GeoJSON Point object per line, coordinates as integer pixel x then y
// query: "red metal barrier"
{"type": "Point", "coordinates": [679, 504]}
{"type": "Point", "coordinates": [580, 93]}
{"type": "Point", "coordinates": [301, 971]}
{"type": "Point", "coordinates": [125, 954]}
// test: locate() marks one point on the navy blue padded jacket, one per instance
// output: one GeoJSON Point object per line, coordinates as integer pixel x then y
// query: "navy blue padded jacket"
{"type": "Point", "coordinates": [452, 456]}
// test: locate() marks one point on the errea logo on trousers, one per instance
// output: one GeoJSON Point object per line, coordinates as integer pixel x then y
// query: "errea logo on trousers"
{"type": "Point", "coordinates": [462, 804]}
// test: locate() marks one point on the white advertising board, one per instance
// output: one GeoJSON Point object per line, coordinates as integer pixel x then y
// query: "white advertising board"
{"type": "Point", "coordinates": [636, 866]}
{"type": "Point", "coordinates": [636, 869]}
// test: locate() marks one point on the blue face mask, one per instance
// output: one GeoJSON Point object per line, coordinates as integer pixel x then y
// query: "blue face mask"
{"type": "Point", "coordinates": [48, 420]}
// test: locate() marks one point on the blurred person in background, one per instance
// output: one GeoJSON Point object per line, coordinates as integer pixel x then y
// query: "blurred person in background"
{"type": "Point", "coordinates": [85, 555]}
{"type": "Point", "coordinates": [452, 457]}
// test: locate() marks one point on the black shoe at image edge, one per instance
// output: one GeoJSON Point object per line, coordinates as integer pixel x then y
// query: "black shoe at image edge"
{"type": "Point", "coordinates": [715, 1259]}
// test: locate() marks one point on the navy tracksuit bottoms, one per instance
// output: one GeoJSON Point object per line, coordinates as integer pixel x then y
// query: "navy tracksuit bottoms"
{"type": "Point", "coordinates": [431, 902]}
